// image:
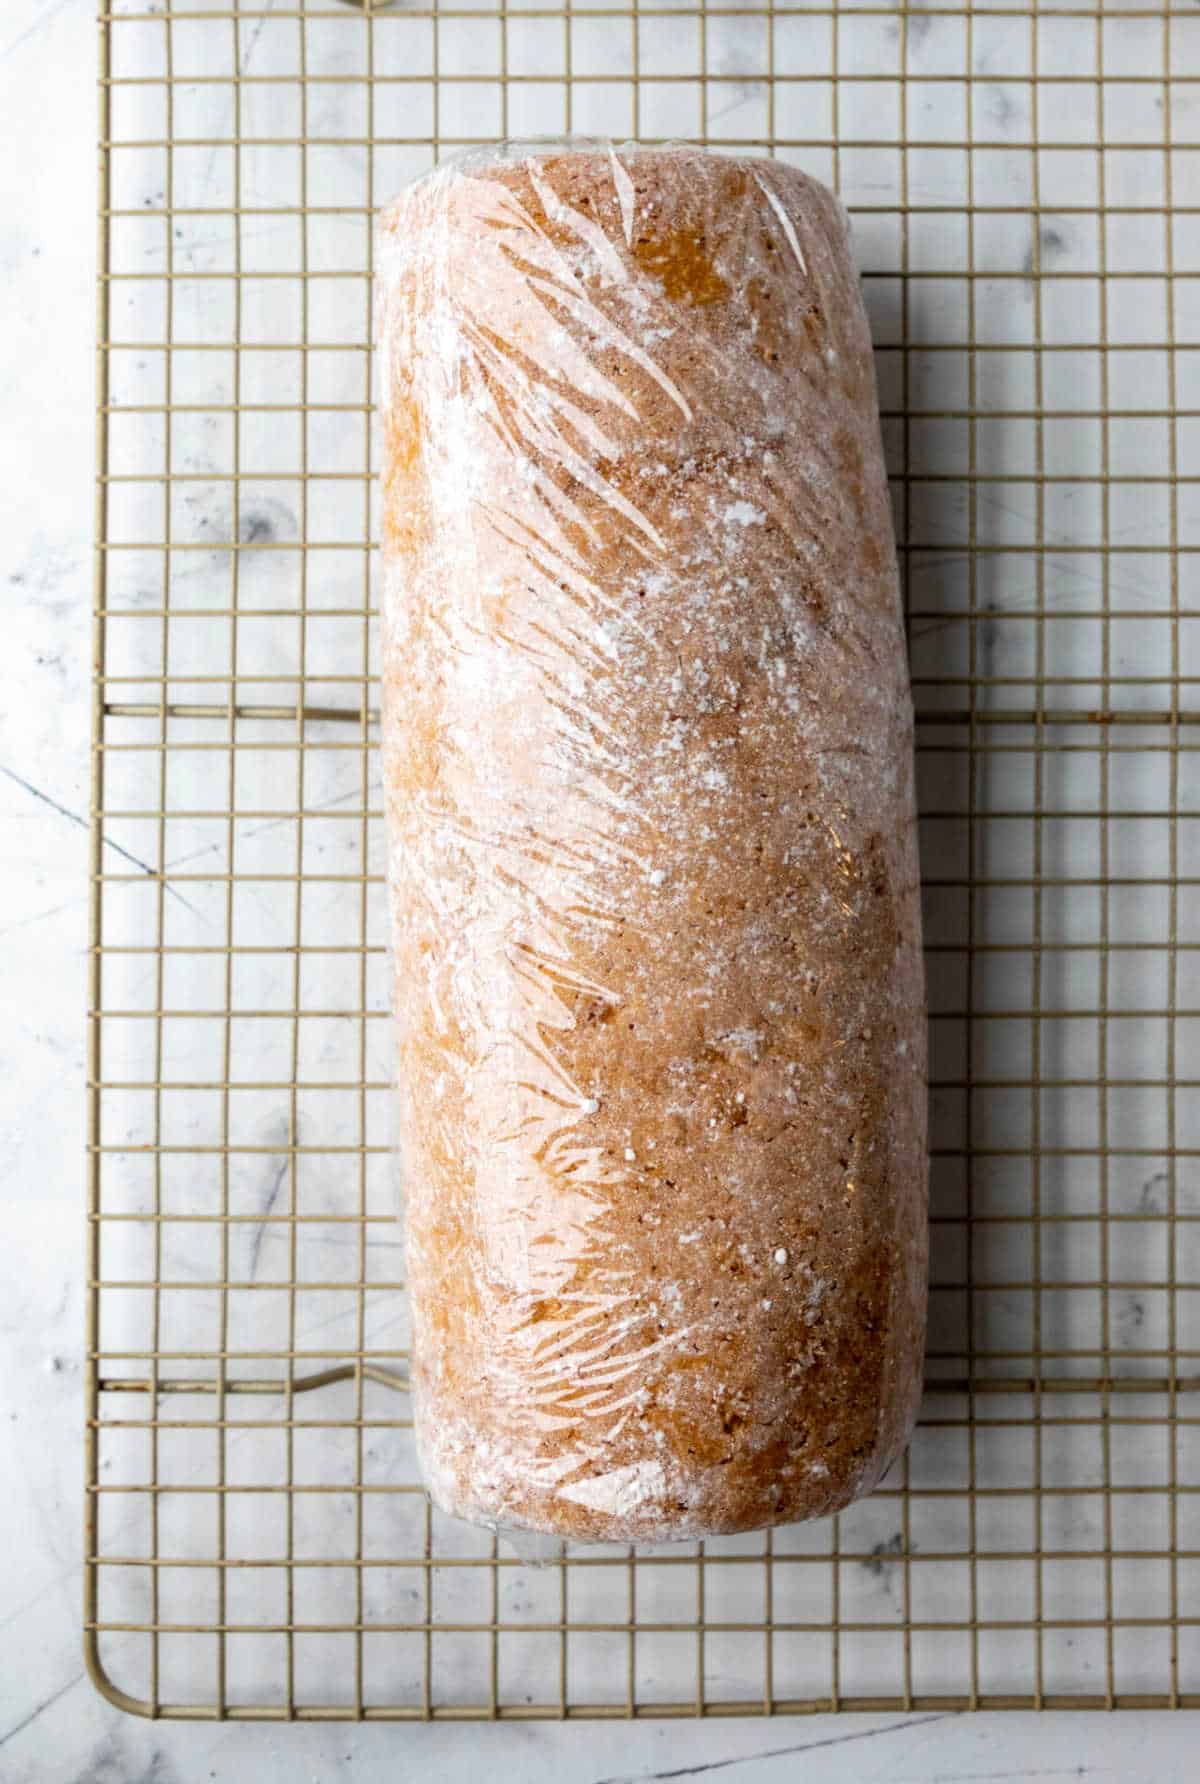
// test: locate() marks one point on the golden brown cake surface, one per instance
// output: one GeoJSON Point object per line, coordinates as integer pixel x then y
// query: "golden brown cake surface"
{"type": "Point", "coordinates": [651, 847]}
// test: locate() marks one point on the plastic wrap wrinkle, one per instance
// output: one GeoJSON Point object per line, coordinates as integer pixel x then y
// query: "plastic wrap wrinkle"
{"type": "Point", "coordinates": [652, 867]}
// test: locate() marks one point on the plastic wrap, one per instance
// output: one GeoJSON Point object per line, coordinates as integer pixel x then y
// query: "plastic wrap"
{"type": "Point", "coordinates": [652, 862]}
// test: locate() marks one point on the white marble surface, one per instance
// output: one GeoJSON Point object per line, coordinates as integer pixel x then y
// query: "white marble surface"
{"type": "Point", "coordinates": [53, 1727]}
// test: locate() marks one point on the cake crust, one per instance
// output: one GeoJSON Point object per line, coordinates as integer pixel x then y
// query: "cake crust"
{"type": "Point", "coordinates": [652, 866]}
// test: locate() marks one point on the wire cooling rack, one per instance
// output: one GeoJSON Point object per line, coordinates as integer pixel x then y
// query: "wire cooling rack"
{"type": "Point", "coordinates": [1025, 188]}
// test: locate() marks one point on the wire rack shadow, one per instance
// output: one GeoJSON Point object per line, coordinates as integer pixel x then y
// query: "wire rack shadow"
{"type": "Point", "coordinates": [1024, 182]}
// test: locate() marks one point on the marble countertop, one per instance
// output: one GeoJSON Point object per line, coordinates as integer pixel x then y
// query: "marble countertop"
{"type": "Point", "coordinates": [53, 1726]}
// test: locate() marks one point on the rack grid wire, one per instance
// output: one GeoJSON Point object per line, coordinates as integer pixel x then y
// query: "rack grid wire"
{"type": "Point", "coordinates": [1024, 183]}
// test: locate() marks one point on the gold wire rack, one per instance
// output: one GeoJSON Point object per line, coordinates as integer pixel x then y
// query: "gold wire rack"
{"type": "Point", "coordinates": [1025, 187]}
